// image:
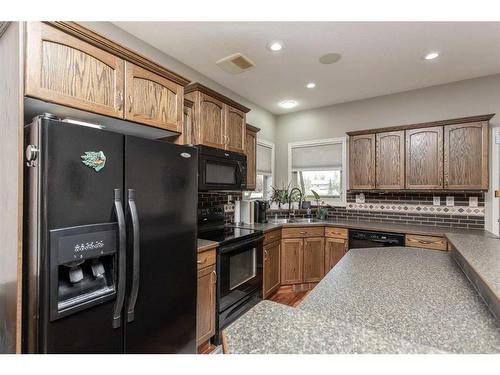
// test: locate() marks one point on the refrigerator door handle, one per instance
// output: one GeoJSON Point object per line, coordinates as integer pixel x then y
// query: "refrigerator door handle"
{"type": "Point", "coordinates": [136, 251]}
{"type": "Point", "coordinates": [121, 258]}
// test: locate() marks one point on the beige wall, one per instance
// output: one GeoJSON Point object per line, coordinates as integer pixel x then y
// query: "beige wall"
{"type": "Point", "coordinates": [459, 99]}
{"type": "Point", "coordinates": [258, 116]}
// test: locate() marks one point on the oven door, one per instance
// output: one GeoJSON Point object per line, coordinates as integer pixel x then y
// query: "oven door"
{"type": "Point", "coordinates": [221, 174]}
{"type": "Point", "coordinates": [239, 270]}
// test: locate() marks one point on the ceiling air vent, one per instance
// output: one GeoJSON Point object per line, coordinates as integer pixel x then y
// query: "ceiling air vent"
{"type": "Point", "coordinates": [235, 63]}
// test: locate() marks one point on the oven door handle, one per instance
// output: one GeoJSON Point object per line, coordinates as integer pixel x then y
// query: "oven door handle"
{"type": "Point", "coordinates": [241, 244]}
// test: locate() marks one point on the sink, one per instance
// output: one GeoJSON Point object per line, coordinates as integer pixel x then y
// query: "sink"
{"type": "Point", "coordinates": [295, 221]}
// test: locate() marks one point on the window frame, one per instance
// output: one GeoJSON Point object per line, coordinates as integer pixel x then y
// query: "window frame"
{"type": "Point", "coordinates": [339, 202]}
{"type": "Point", "coordinates": [271, 145]}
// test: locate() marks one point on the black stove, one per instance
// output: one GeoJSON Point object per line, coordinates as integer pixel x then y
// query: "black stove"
{"type": "Point", "coordinates": [211, 227]}
{"type": "Point", "coordinates": [239, 265]}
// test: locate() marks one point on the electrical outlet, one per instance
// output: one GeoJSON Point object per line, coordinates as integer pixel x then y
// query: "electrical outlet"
{"type": "Point", "coordinates": [360, 198]}
{"type": "Point", "coordinates": [450, 200]}
{"type": "Point", "coordinates": [436, 201]}
{"type": "Point", "coordinates": [473, 201]}
{"type": "Point", "coordinates": [229, 207]}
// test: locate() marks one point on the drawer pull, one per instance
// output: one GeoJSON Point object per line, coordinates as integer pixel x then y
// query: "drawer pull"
{"type": "Point", "coordinates": [427, 242]}
{"type": "Point", "coordinates": [303, 232]}
{"type": "Point", "coordinates": [202, 261]}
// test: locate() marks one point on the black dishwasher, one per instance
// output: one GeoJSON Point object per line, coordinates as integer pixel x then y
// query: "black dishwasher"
{"type": "Point", "coordinates": [362, 239]}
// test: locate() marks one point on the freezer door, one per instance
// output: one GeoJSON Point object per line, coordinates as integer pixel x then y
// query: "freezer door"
{"type": "Point", "coordinates": [161, 186]}
{"type": "Point", "coordinates": [76, 201]}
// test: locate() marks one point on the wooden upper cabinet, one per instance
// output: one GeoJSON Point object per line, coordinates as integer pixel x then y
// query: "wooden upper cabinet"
{"type": "Point", "coordinates": [235, 130]}
{"type": "Point", "coordinates": [211, 122]}
{"type": "Point", "coordinates": [362, 161]}
{"type": "Point", "coordinates": [466, 156]}
{"type": "Point", "coordinates": [152, 99]}
{"type": "Point", "coordinates": [390, 160]}
{"type": "Point", "coordinates": [219, 121]}
{"type": "Point", "coordinates": [251, 153]}
{"type": "Point", "coordinates": [66, 70]}
{"type": "Point", "coordinates": [314, 259]}
{"type": "Point", "coordinates": [424, 158]}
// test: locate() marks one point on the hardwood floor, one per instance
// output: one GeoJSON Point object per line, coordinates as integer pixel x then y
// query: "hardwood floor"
{"type": "Point", "coordinates": [206, 348]}
{"type": "Point", "coordinates": [291, 295]}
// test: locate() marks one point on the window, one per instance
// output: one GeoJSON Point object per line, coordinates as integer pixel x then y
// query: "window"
{"type": "Point", "coordinates": [319, 166]}
{"type": "Point", "coordinates": [265, 168]}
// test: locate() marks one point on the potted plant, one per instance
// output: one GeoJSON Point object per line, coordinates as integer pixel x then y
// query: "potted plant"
{"type": "Point", "coordinates": [321, 212]}
{"type": "Point", "coordinates": [279, 196]}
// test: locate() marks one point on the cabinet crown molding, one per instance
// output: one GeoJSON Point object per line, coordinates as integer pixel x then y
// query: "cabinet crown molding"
{"type": "Point", "coordinates": [196, 86]}
{"type": "Point", "coordinates": [253, 128]}
{"type": "Point", "coordinates": [102, 42]}
{"type": "Point", "coordinates": [461, 120]}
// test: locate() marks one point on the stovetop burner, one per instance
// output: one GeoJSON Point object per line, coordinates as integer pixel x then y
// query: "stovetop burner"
{"type": "Point", "coordinates": [211, 227]}
{"type": "Point", "coordinates": [226, 234]}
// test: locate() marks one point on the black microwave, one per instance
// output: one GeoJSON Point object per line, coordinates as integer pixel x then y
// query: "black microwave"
{"type": "Point", "coordinates": [220, 169]}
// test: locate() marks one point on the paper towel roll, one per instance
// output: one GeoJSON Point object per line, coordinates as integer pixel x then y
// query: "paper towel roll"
{"type": "Point", "coordinates": [237, 211]}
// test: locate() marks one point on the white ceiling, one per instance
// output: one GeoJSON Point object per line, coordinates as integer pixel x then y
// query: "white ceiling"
{"type": "Point", "coordinates": [378, 58]}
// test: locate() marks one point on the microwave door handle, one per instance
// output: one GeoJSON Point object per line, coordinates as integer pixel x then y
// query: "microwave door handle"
{"type": "Point", "coordinates": [136, 251]}
{"type": "Point", "coordinates": [240, 175]}
{"type": "Point", "coordinates": [121, 258]}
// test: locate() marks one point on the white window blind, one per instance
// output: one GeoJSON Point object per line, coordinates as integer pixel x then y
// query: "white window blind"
{"type": "Point", "coordinates": [316, 157]}
{"type": "Point", "coordinates": [264, 159]}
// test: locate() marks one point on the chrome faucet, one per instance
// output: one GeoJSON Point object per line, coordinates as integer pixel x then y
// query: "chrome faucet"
{"type": "Point", "coordinates": [290, 201]}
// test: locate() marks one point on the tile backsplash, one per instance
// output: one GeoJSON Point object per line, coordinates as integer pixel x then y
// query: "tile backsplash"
{"type": "Point", "coordinates": [217, 198]}
{"type": "Point", "coordinates": [390, 207]}
{"type": "Point", "coordinates": [414, 208]}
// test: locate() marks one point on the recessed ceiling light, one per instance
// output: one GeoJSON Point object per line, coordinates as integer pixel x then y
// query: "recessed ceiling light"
{"type": "Point", "coordinates": [275, 45]}
{"type": "Point", "coordinates": [330, 58]}
{"type": "Point", "coordinates": [288, 104]}
{"type": "Point", "coordinates": [311, 85]}
{"type": "Point", "coordinates": [431, 56]}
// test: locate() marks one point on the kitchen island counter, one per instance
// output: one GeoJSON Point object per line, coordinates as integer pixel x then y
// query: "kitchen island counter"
{"type": "Point", "coordinates": [417, 299]}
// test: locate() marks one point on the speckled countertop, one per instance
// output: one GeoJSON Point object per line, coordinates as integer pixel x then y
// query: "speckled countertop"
{"type": "Point", "coordinates": [204, 245]}
{"type": "Point", "coordinates": [479, 257]}
{"type": "Point", "coordinates": [482, 253]}
{"type": "Point", "coordinates": [419, 298]}
{"type": "Point", "coordinates": [367, 225]}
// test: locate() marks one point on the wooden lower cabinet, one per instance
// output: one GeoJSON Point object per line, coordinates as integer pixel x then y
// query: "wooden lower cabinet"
{"type": "Point", "coordinates": [292, 251]}
{"type": "Point", "coordinates": [314, 255]}
{"type": "Point", "coordinates": [272, 276]}
{"type": "Point", "coordinates": [205, 309]}
{"type": "Point", "coordinates": [335, 248]}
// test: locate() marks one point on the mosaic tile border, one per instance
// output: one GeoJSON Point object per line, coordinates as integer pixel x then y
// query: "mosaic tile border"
{"type": "Point", "coordinates": [417, 208]}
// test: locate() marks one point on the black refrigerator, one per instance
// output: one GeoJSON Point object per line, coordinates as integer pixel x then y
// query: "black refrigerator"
{"type": "Point", "coordinates": [110, 242]}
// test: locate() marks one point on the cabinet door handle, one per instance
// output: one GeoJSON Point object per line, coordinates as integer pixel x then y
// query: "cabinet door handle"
{"type": "Point", "coordinates": [131, 103]}
{"type": "Point", "coordinates": [214, 274]}
{"type": "Point", "coordinates": [265, 254]}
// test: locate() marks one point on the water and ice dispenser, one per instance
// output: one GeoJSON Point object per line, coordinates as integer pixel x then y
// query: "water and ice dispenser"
{"type": "Point", "coordinates": [83, 267]}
